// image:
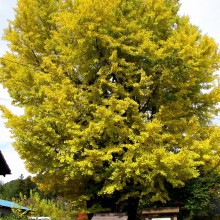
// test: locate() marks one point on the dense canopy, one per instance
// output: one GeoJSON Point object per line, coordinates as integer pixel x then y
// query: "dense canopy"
{"type": "Point", "coordinates": [118, 97]}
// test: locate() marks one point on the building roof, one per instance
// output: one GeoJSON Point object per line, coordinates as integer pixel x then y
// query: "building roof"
{"type": "Point", "coordinates": [8, 204]}
{"type": "Point", "coordinates": [162, 210]}
{"type": "Point", "coordinates": [110, 216]}
{"type": "Point", "coordinates": [4, 168]}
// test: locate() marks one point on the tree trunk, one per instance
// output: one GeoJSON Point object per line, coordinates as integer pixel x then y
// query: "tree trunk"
{"type": "Point", "coordinates": [90, 216]}
{"type": "Point", "coordinates": [132, 208]}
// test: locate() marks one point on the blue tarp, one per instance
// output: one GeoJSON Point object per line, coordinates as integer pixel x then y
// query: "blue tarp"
{"type": "Point", "coordinates": [12, 205]}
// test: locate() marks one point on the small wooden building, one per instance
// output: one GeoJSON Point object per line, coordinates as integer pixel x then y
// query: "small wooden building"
{"type": "Point", "coordinates": [4, 168]}
{"type": "Point", "coordinates": [7, 206]}
{"type": "Point", "coordinates": [166, 213]}
{"type": "Point", "coordinates": [110, 216]}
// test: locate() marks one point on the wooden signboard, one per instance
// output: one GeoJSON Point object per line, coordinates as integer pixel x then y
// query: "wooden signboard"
{"type": "Point", "coordinates": [165, 213]}
{"type": "Point", "coordinates": [110, 216]}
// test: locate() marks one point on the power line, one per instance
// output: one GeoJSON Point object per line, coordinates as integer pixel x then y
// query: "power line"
{"type": "Point", "coordinates": [21, 64]}
{"type": "Point", "coordinates": [4, 99]}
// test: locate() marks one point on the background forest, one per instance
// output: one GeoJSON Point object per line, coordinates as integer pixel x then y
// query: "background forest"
{"type": "Point", "coordinates": [26, 193]}
{"type": "Point", "coordinates": [197, 200]}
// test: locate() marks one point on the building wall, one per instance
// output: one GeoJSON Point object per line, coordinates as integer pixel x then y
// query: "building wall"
{"type": "Point", "coordinates": [4, 211]}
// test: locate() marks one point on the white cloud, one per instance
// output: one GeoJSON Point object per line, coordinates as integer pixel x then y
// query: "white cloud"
{"type": "Point", "coordinates": [6, 13]}
{"type": "Point", "coordinates": [204, 14]}
{"type": "Point", "coordinates": [14, 162]}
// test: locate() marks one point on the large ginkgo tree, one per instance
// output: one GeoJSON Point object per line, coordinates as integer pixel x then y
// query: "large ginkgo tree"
{"type": "Point", "coordinates": [118, 99]}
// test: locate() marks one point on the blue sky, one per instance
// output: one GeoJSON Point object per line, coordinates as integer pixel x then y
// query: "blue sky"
{"type": "Point", "coordinates": [203, 13]}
